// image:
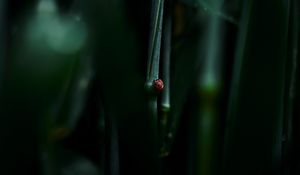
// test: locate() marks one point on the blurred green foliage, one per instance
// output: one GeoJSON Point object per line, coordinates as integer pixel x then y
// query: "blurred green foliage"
{"type": "Point", "coordinates": [78, 92]}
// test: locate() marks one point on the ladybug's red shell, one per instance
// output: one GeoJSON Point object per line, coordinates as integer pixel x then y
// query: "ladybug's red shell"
{"type": "Point", "coordinates": [158, 85]}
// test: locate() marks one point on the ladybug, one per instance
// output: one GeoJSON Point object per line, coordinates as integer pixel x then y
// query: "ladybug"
{"type": "Point", "coordinates": [158, 85]}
